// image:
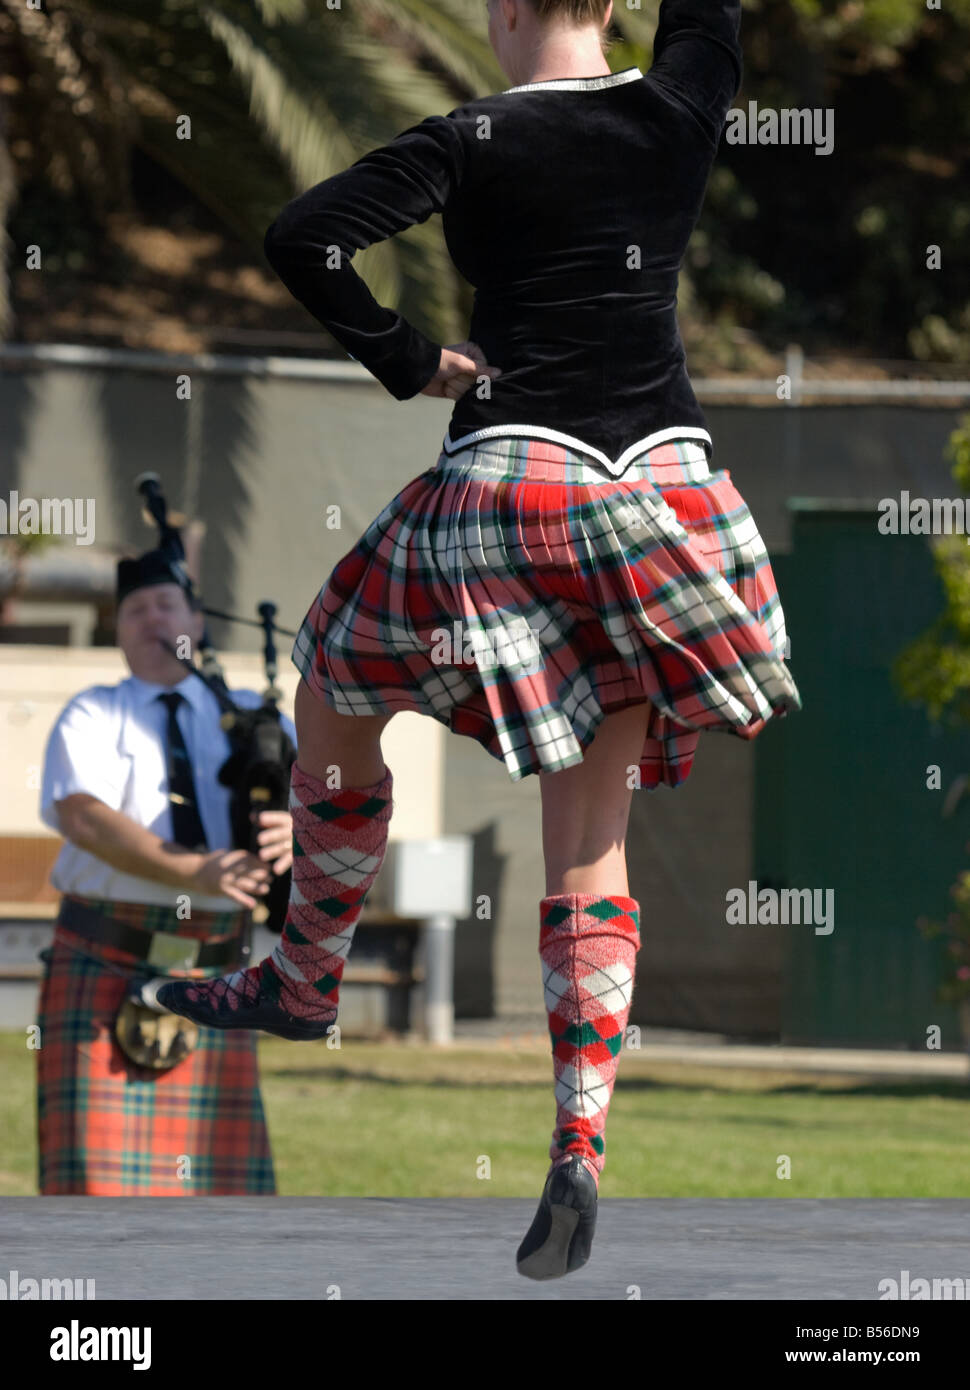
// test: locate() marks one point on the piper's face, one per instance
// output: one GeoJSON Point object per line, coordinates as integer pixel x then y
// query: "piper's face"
{"type": "Point", "coordinates": [146, 616]}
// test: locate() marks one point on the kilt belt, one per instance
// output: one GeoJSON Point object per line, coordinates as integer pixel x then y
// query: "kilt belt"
{"type": "Point", "coordinates": [159, 949]}
{"type": "Point", "coordinates": [148, 1034]}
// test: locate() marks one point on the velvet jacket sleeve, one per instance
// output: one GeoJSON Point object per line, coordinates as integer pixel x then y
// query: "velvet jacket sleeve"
{"type": "Point", "coordinates": [697, 57]}
{"type": "Point", "coordinates": [312, 242]}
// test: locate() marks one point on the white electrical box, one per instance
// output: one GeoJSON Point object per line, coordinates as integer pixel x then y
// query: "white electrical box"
{"type": "Point", "coordinates": [422, 877]}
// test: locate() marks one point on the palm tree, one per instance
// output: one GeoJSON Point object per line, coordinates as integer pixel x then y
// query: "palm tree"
{"type": "Point", "coordinates": [279, 94]}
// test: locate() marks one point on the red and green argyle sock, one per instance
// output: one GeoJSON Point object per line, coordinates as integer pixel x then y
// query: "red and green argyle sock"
{"type": "Point", "coordinates": [588, 944]}
{"type": "Point", "coordinates": [339, 841]}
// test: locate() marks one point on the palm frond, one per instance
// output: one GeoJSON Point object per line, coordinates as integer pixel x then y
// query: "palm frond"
{"type": "Point", "coordinates": [82, 127]}
{"type": "Point", "coordinates": [307, 133]}
{"type": "Point", "coordinates": [452, 32]}
{"type": "Point", "coordinates": [281, 94]}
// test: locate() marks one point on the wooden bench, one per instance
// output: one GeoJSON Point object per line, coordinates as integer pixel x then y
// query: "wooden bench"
{"type": "Point", "coordinates": [385, 945]}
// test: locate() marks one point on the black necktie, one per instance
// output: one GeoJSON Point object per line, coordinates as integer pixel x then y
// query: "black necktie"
{"type": "Point", "coordinates": [187, 828]}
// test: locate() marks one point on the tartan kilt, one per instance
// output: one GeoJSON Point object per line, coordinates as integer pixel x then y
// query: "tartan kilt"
{"type": "Point", "coordinates": [518, 593]}
{"type": "Point", "coordinates": [110, 1128]}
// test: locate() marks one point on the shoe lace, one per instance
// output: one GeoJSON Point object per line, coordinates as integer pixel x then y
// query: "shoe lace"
{"type": "Point", "coordinates": [224, 994]}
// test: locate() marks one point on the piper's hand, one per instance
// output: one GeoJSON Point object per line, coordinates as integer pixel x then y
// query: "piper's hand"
{"type": "Point", "coordinates": [460, 367]}
{"type": "Point", "coordinates": [275, 839]}
{"type": "Point", "coordinates": [235, 873]}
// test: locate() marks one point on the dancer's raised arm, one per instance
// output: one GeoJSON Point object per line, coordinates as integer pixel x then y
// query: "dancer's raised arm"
{"type": "Point", "coordinates": [697, 55]}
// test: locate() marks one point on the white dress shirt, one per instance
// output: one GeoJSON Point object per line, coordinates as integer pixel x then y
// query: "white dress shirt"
{"type": "Point", "coordinates": [110, 741]}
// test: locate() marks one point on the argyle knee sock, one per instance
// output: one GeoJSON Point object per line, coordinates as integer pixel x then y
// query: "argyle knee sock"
{"type": "Point", "coordinates": [588, 944]}
{"type": "Point", "coordinates": [339, 842]}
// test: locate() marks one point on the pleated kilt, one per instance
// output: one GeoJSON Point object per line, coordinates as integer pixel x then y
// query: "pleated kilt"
{"type": "Point", "coordinates": [518, 593]}
{"type": "Point", "coordinates": [110, 1128]}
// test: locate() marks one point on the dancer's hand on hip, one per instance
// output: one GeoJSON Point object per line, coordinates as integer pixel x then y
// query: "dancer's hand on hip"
{"type": "Point", "coordinates": [460, 368]}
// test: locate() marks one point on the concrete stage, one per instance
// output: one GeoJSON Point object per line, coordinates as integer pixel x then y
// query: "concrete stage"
{"type": "Point", "coordinates": [456, 1249]}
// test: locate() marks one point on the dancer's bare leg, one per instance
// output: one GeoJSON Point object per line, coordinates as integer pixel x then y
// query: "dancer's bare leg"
{"type": "Point", "coordinates": [326, 739]}
{"type": "Point", "coordinates": [588, 942]}
{"type": "Point", "coordinates": [586, 809]}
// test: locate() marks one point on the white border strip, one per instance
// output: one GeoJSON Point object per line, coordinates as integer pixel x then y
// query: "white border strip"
{"type": "Point", "coordinates": [615, 467]}
{"type": "Point", "coordinates": [213, 364]}
{"type": "Point", "coordinates": [578, 84]}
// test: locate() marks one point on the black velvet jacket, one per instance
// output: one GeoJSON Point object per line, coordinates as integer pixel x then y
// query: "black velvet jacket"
{"type": "Point", "coordinates": [568, 205]}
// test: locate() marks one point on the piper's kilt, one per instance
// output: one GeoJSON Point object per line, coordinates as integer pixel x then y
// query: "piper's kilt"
{"type": "Point", "coordinates": [110, 1128]}
{"type": "Point", "coordinates": [519, 593]}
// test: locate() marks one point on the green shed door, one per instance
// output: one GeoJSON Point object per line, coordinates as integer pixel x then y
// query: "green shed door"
{"type": "Point", "coordinates": [841, 798]}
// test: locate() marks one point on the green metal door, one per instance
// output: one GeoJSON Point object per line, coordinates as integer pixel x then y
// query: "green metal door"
{"type": "Point", "coordinates": [841, 798]}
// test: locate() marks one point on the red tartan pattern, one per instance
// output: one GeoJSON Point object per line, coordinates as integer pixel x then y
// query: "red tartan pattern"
{"type": "Point", "coordinates": [655, 586]}
{"type": "Point", "coordinates": [109, 1128]}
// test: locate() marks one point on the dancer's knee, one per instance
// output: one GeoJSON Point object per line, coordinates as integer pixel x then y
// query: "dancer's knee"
{"type": "Point", "coordinates": [342, 750]}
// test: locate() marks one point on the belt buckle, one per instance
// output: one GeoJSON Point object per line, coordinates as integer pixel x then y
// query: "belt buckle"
{"type": "Point", "coordinates": [171, 952]}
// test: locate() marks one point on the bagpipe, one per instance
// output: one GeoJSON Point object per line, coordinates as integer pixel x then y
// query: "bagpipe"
{"type": "Point", "coordinates": [257, 771]}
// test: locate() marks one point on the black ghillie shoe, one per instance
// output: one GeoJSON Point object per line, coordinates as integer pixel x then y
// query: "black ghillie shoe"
{"type": "Point", "coordinates": [560, 1237]}
{"type": "Point", "coordinates": [214, 1010]}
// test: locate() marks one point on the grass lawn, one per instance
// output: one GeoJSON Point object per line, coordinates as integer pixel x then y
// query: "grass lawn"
{"type": "Point", "coordinates": [402, 1119]}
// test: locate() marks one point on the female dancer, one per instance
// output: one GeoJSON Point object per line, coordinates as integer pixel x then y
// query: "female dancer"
{"type": "Point", "coordinates": [616, 592]}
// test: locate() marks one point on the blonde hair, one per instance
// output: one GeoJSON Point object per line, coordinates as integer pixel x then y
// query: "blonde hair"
{"type": "Point", "coordinates": [578, 12]}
